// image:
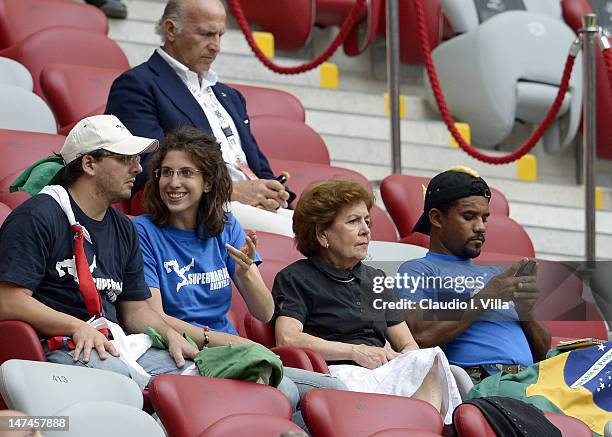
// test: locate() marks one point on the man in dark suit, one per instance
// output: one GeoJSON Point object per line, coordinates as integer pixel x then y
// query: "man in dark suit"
{"type": "Point", "coordinates": [177, 86]}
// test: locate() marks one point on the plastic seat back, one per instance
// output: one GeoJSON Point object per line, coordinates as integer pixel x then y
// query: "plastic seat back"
{"type": "Point", "coordinates": [290, 21]}
{"type": "Point", "coordinates": [263, 101]}
{"type": "Point", "coordinates": [21, 18]}
{"type": "Point", "coordinates": [116, 419]}
{"type": "Point", "coordinates": [332, 413]}
{"type": "Point", "coordinates": [74, 91]}
{"type": "Point", "coordinates": [22, 381]}
{"type": "Point", "coordinates": [504, 235]}
{"type": "Point", "coordinates": [20, 149]}
{"type": "Point", "coordinates": [469, 422]}
{"type": "Point", "coordinates": [21, 109]}
{"type": "Point", "coordinates": [66, 45]}
{"type": "Point", "coordinates": [410, 49]}
{"type": "Point", "coordinates": [403, 197]}
{"type": "Point", "coordinates": [289, 139]}
{"type": "Point", "coordinates": [250, 424]}
{"type": "Point", "coordinates": [189, 405]}
{"type": "Point", "coordinates": [485, 90]}
{"type": "Point", "coordinates": [13, 73]}
{"type": "Point", "coordinates": [12, 200]}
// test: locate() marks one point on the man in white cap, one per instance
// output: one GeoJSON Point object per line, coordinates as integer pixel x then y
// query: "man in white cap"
{"type": "Point", "coordinates": [68, 258]}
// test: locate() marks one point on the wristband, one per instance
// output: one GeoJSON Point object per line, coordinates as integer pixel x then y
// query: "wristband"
{"type": "Point", "coordinates": [206, 336]}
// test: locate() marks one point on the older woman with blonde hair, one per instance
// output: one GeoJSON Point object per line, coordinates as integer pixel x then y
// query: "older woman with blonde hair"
{"type": "Point", "coordinates": [326, 302]}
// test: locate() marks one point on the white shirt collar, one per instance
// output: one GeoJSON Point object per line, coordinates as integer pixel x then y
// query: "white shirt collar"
{"type": "Point", "coordinates": [210, 78]}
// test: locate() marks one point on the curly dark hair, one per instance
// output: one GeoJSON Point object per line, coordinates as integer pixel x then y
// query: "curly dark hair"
{"type": "Point", "coordinates": [318, 206]}
{"type": "Point", "coordinates": [206, 155]}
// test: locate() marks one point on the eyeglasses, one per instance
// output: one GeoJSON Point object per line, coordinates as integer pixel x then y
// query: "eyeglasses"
{"type": "Point", "coordinates": [182, 173]}
{"type": "Point", "coordinates": [127, 160]}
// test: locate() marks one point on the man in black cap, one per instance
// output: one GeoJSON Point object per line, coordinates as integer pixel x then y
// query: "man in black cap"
{"type": "Point", "coordinates": [481, 316]}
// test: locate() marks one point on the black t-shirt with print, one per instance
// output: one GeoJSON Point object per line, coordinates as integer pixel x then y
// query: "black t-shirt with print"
{"type": "Point", "coordinates": [37, 253]}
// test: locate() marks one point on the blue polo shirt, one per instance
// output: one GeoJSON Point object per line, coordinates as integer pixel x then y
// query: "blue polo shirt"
{"type": "Point", "coordinates": [495, 338]}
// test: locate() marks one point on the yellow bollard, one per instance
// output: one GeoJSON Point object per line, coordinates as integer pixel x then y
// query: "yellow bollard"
{"type": "Point", "coordinates": [466, 133]}
{"type": "Point", "coordinates": [265, 41]}
{"type": "Point", "coordinates": [402, 106]}
{"type": "Point", "coordinates": [527, 168]}
{"type": "Point", "coordinates": [598, 196]}
{"type": "Point", "coordinates": [328, 75]}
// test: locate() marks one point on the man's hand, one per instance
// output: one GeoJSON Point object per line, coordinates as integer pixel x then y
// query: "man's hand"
{"type": "Point", "coordinates": [268, 194]}
{"type": "Point", "coordinates": [506, 286]}
{"type": "Point", "coordinates": [372, 357]}
{"type": "Point", "coordinates": [86, 338]}
{"type": "Point", "coordinates": [179, 348]}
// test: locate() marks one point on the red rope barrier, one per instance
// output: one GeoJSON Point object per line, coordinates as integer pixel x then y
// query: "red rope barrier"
{"type": "Point", "coordinates": [448, 119]}
{"type": "Point", "coordinates": [348, 24]}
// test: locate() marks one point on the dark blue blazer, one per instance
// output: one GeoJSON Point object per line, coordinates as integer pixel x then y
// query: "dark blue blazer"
{"type": "Point", "coordinates": [151, 100]}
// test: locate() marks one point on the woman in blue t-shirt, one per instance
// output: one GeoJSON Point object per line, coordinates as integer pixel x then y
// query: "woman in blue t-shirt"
{"type": "Point", "coordinates": [192, 248]}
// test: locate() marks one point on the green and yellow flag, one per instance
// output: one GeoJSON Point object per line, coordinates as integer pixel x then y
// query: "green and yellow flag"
{"type": "Point", "coordinates": [576, 383]}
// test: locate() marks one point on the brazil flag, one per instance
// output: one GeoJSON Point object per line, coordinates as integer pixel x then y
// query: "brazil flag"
{"type": "Point", "coordinates": [576, 383]}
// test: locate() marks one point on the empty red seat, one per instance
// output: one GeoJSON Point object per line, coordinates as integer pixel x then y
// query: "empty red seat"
{"type": "Point", "coordinates": [188, 405]}
{"type": "Point", "coordinates": [269, 101]}
{"type": "Point", "coordinates": [20, 149]}
{"type": "Point", "coordinates": [21, 18]}
{"type": "Point", "coordinates": [75, 91]}
{"type": "Point", "coordinates": [289, 139]}
{"type": "Point", "coordinates": [292, 21]}
{"type": "Point", "coordinates": [66, 45]}
{"type": "Point", "coordinates": [331, 413]}
{"type": "Point", "coordinates": [469, 422]}
{"type": "Point", "coordinates": [403, 197]}
{"type": "Point", "coordinates": [504, 235]}
{"type": "Point", "coordinates": [410, 49]}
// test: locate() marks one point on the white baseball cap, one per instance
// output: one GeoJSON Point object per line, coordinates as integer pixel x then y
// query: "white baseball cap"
{"type": "Point", "coordinates": [103, 132]}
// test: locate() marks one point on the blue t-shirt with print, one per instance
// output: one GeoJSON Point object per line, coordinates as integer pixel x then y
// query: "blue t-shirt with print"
{"type": "Point", "coordinates": [192, 274]}
{"type": "Point", "coordinates": [495, 338]}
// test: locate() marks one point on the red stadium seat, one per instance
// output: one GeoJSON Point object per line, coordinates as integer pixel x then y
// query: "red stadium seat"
{"type": "Point", "coordinates": [65, 45]}
{"type": "Point", "coordinates": [20, 149]}
{"type": "Point", "coordinates": [74, 91]}
{"type": "Point", "coordinates": [292, 21]}
{"type": "Point", "coordinates": [279, 248]}
{"type": "Point", "coordinates": [188, 405]}
{"type": "Point", "coordinates": [250, 424]}
{"type": "Point", "coordinates": [21, 18]}
{"type": "Point", "coordinates": [19, 341]}
{"type": "Point", "coordinates": [4, 212]}
{"type": "Point", "coordinates": [289, 139]}
{"type": "Point", "coordinates": [330, 413]}
{"type": "Point", "coordinates": [403, 197]}
{"type": "Point", "coordinates": [65, 130]}
{"type": "Point", "coordinates": [560, 307]}
{"type": "Point", "coordinates": [335, 12]}
{"type": "Point", "coordinates": [504, 235]}
{"type": "Point", "coordinates": [12, 200]}
{"type": "Point", "coordinates": [262, 101]}
{"type": "Point", "coordinates": [573, 11]}
{"type": "Point", "coordinates": [469, 422]}
{"type": "Point", "coordinates": [410, 49]}
{"type": "Point", "coordinates": [305, 173]}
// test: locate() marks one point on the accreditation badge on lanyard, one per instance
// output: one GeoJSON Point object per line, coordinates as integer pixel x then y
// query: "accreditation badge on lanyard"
{"type": "Point", "coordinates": [213, 105]}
